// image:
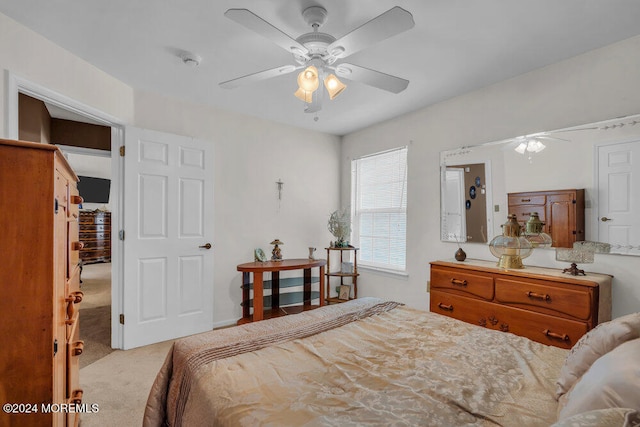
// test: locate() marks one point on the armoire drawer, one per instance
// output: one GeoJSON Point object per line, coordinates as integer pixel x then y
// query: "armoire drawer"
{"type": "Point", "coordinates": [576, 303]}
{"type": "Point", "coordinates": [462, 283]}
{"type": "Point", "coordinates": [527, 199]}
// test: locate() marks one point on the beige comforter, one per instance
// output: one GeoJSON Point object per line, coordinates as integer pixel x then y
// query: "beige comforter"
{"type": "Point", "coordinates": [365, 362]}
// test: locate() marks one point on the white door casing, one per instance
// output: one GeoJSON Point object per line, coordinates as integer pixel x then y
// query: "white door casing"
{"type": "Point", "coordinates": [454, 204]}
{"type": "Point", "coordinates": [618, 195]}
{"type": "Point", "coordinates": [168, 221]}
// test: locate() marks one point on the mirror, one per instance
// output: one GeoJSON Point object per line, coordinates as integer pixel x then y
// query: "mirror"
{"type": "Point", "coordinates": [464, 203]}
{"type": "Point", "coordinates": [597, 157]}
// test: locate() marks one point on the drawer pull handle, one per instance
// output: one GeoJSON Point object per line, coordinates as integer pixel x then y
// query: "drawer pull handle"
{"type": "Point", "coordinates": [458, 282]}
{"type": "Point", "coordinates": [73, 299]}
{"type": "Point", "coordinates": [445, 306]}
{"type": "Point", "coordinates": [533, 295]}
{"type": "Point", "coordinates": [76, 397]}
{"type": "Point", "coordinates": [76, 246]}
{"type": "Point", "coordinates": [562, 337]}
{"type": "Point", "coordinates": [78, 348]}
{"type": "Point", "coordinates": [525, 200]}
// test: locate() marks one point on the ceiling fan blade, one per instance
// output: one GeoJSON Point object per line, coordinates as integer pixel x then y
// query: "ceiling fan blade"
{"type": "Point", "coordinates": [372, 78]}
{"type": "Point", "coordinates": [258, 25]}
{"type": "Point", "coordinates": [394, 21]}
{"type": "Point", "coordinates": [261, 75]}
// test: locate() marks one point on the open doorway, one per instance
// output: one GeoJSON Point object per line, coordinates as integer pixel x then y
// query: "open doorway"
{"type": "Point", "coordinates": [86, 144]}
{"type": "Point", "coordinates": [93, 168]}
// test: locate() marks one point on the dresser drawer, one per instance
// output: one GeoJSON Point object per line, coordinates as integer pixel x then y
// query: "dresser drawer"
{"type": "Point", "coordinates": [550, 330]}
{"type": "Point", "coordinates": [554, 300]}
{"type": "Point", "coordinates": [462, 308]}
{"type": "Point", "coordinates": [460, 282]}
{"type": "Point", "coordinates": [527, 199]}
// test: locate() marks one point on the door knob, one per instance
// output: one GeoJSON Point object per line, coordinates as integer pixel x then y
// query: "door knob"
{"type": "Point", "coordinates": [605, 219]}
{"type": "Point", "coordinates": [207, 246]}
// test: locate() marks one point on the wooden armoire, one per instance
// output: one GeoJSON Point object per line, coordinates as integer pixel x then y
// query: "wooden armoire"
{"type": "Point", "coordinates": [40, 284]}
{"type": "Point", "coordinates": [562, 212]}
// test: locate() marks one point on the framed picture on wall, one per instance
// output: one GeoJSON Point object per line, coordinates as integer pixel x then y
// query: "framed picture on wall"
{"type": "Point", "coordinates": [345, 291]}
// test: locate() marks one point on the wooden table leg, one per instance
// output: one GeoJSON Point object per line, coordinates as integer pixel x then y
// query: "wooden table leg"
{"type": "Point", "coordinates": [258, 293]}
{"type": "Point", "coordinates": [306, 289]}
{"type": "Point", "coordinates": [275, 290]}
{"type": "Point", "coordinates": [246, 297]}
{"type": "Point", "coordinates": [321, 285]}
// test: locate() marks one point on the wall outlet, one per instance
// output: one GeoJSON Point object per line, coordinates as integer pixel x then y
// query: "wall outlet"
{"type": "Point", "coordinates": [496, 208]}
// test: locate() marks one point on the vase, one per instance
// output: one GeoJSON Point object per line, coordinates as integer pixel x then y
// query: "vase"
{"type": "Point", "coordinates": [460, 255]}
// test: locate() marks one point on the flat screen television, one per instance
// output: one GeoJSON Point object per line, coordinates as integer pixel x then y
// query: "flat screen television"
{"type": "Point", "coordinates": [94, 190]}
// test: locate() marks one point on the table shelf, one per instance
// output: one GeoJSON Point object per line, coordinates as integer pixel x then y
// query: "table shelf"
{"type": "Point", "coordinates": [268, 306]}
{"type": "Point", "coordinates": [287, 282]}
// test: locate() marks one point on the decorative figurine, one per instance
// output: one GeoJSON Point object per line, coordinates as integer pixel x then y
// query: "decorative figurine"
{"type": "Point", "coordinates": [276, 254]}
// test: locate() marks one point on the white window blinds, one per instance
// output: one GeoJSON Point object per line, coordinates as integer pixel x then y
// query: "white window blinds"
{"type": "Point", "coordinates": [379, 209]}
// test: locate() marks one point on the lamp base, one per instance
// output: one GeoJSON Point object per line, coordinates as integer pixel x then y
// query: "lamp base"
{"type": "Point", "coordinates": [510, 262]}
{"type": "Point", "coordinates": [574, 270]}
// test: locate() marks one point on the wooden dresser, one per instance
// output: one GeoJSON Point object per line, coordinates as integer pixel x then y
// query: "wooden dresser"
{"type": "Point", "coordinates": [542, 304]}
{"type": "Point", "coordinates": [39, 251]}
{"type": "Point", "coordinates": [95, 233]}
{"type": "Point", "coordinates": [562, 212]}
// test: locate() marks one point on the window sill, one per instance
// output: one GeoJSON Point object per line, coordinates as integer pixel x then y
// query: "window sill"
{"type": "Point", "coordinates": [384, 272]}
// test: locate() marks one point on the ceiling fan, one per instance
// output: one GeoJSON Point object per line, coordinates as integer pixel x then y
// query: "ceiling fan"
{"type": "Point", "coordinates": [319, 54]}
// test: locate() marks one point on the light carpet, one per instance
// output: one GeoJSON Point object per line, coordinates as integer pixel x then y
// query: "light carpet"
{"type": "Point", "coordinates": [119, 384]}
{"type": "Point", "coordinates": [95, 312]}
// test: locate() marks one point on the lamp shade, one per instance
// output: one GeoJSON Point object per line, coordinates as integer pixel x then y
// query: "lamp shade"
{"type": "Point", "coordinates": [303, 95]}
{"type": "Point", "coordinates": [510, 247]}
{"type": "Point", "coordinates": [308, 79]}
{"type": "Point", "coordinates": [334, 86]}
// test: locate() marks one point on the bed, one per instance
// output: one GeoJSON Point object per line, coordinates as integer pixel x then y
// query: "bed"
{"type": "Point", "coordinates": [373, 362]}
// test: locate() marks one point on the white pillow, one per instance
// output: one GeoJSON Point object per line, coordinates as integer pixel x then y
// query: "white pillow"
{"type": "Point", "coordinates": [610, 417]}
{"type": "Point", "coordinates": [613, 381]}
{"type": "Point", "coordinates": [595, 343]}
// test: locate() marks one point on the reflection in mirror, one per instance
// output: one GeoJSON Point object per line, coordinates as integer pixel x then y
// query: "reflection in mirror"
{"type": "Point", "coordinates": [464, 203]}
{"type": "Point", "coordinates": [597, 157]}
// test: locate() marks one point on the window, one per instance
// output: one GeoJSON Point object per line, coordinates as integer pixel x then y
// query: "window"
{"type": "Point", "coordinates": [379, 209]}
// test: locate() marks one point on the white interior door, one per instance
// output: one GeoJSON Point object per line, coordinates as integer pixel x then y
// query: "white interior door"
{"type": "Point", "coordinates": [454, 204]}
{"type": "Point", "coordinates": [168, 222]}
{"type": "Point", "coordinates": [619, 194]}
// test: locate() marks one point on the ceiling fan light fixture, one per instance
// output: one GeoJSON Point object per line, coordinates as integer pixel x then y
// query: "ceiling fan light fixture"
{"type": "Point", "coordinates": [334, 86]}
{"type": "Point", "coordinates": [303, 95]}
{"type": "Point", "coordinates": [308, 79]}
{"type": "Point", "coordinates": [530, 145]}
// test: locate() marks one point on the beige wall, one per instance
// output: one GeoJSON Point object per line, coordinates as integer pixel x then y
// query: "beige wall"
{"type": "Point", "coordinates": [597, 85]}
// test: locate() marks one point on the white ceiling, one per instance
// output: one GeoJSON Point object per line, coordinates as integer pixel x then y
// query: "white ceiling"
{"type": "Point", "coordinates": [456, 46]}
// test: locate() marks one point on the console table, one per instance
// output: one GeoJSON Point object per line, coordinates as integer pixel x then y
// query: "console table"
{"type": "Point", "coordinates": [275, 267]}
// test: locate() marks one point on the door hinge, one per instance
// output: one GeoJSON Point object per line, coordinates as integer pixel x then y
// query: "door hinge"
{"type": "Point", "coordinates": [122, 319]}
{"type": "Point", "coordinates": [122, 151]}
{"type": "Point", "coordinates": [121, 234]}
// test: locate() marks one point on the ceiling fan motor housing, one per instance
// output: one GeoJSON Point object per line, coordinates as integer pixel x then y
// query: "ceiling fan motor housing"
{"type": "Point", "coordinates": [315, 16]}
